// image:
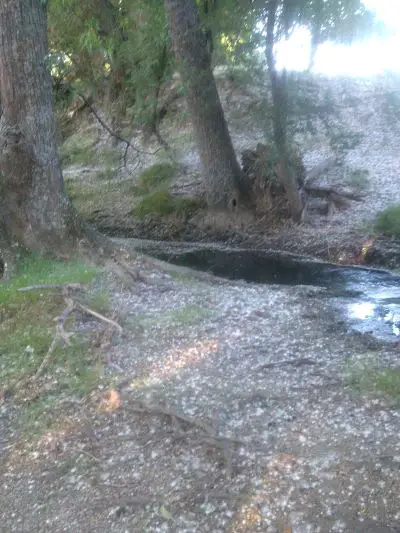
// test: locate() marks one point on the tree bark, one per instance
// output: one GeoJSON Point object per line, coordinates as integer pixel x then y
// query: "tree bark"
{"type": "Point", "coordinates": [34, 208]}
{"type": "Point", "coordinates": [279, 117]}
{"type": "Point", "coordinates": [225, 187]}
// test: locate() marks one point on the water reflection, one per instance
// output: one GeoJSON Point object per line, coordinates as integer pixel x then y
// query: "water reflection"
{"type": "Point", "coordinates": [371, 315]}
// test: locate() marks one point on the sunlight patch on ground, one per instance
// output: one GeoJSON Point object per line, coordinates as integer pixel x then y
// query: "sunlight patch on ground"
{"type": "Point", "coordinates": [180, 358]}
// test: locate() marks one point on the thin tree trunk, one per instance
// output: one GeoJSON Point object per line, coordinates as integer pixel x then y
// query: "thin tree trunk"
{"type": "Point", "coordinates": [220, 166]}
{"type": "Point", "coordinates": [34, 209]}
{"type": "Point", "coordinates": [279, 118]}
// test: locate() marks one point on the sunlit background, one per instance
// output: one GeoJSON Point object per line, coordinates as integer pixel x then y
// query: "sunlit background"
{"type": "Point", "coordinates": [366, 58]}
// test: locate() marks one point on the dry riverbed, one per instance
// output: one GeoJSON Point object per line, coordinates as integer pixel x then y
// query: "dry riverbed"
{"type": "Point", "coordinates": [224, 407]}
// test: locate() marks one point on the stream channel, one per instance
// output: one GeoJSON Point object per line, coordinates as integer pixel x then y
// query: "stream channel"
{"type": "Point", "coordinates": [368, 299]}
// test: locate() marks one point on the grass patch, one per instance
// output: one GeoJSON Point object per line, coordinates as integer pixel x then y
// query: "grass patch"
{"type": "Point", "coordinates": [99, 301]}
{"type": "Point", "coordinates": [162, 203]}
{"type": "Point", "coordinates": [105, 174]}
{"type": "Point", "coordinates": [189, 314]}
{"type": "Point", "coordinates": [388, 382]}
{"type": "Point", "coordinates": [387, 221]}
{"type": "Point", "coordinates": [26, 331]}
{"type": "Point", "coordinates": [367, 378]}
{"type": "Point", "coordinates": [100, 195]}
{"type": "Point", "coordinates": [78, 149]}
{"type": "Point", "coordinates": [155, 176]}
{"type": "Point", "coordinates": [109, 157]}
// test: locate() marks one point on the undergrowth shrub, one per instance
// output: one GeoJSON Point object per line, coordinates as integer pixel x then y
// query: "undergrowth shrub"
{"type": "Point", "coordinates": [387, 221]}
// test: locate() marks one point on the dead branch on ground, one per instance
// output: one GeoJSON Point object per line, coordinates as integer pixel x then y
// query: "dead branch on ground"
{"type": "Point", "coordinates": [208, 437]}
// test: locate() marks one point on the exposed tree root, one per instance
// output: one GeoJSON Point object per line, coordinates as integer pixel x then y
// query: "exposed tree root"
{"type": "Point", "coordinates": [208, 437]}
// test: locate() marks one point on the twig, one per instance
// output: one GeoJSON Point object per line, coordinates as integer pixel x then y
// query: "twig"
{"type": "Point", "coordinates": [158, 410]}
{"type": "Point", "coordinates": [222, 443]}
{"type": "Point", "coordinates": [98, 315]}
{"type": "Point", "coordinates": [89, 105]}
{"type": "Point", "coordinates": [290, 362]}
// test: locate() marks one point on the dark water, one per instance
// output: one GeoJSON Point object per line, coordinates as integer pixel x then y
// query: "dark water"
{"type": "Point", "coordinates": [369, 298]}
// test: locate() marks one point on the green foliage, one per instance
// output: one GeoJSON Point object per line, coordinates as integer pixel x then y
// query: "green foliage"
{"type": "Point", "coordinates": [116, 52]}
{"type": "Point", "coordinates": [162, 203]}
{"type": "Point", "coordinates": [337, 20]}
{"type": "Point", "coordinates": [155, 176]}
{"type": "Point", "coordinates": [78, 149]}
{"type": "Point", "coordinates": [387, 221]}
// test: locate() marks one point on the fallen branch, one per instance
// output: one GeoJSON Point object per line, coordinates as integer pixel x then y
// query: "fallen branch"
{"type": "Point", "coordinates": [162, 411]}
{"type": "Point", "coordinates": [330, 193]}
{"type": "Point", "coordinates": [62, 286]}
{"type": "Point", "coordinates": [210, 438]}
{"type": "Point", "coordinates": [295, 362]}
{"type": "Point", "coordinates": [98, 315]}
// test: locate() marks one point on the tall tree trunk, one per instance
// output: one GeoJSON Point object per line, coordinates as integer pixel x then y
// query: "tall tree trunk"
{"type": "Point", "coordinates": [34, 209]}
{"type": "Point", "coordinates": [279, 118]}
{"type": "Point", "coordinates": [222, 171]}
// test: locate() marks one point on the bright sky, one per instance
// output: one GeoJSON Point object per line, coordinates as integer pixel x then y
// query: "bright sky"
{"type": "Point", "coordinates": [365, 58]}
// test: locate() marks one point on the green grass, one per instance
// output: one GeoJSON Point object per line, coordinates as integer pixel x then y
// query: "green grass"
{"type": "Point", "coordinates": [99, 301]}
{"type": "Point", "coordinates": [366, 377]}
{"type": "Point", "coordinates": [106, 174]}
{"type": "Point", "coordinates": [388, 382]}
{"type": "Point", "coordinates": [27, 329]}
{"type": "Point", "coordinates": [189, 314]}
{"type": "Point", "coordinates": [163, 203]}
{"type": "Point", "coordinates": [109, 157]}
{"type": "Point", "coordinates": [78, 149]}
{"type": "Point", "coordinates": [155, 176]}
{"type": "Point", "coordinates": [37, 270]}
{"type": "Point", "coordinates": [387, 222]}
